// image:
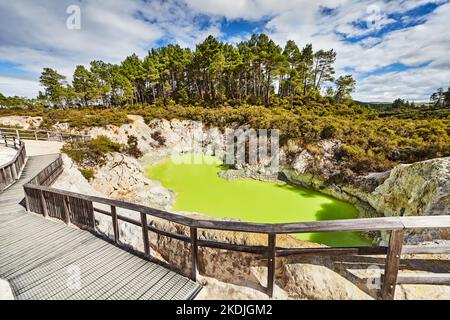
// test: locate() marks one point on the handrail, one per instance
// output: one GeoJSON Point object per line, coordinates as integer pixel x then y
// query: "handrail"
{"type": "Point", "coordinates": [11, 171]}
{"type": "Point", "coordinates": [347, 225]}
{"type": "Point", "coordinates": [43, 135]}
{"type": "Point", "coordinates": [79, 209]}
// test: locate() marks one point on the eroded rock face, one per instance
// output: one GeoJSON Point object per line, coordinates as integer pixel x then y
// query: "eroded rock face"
{"type": "Point", "coordinates": [23, 122]}
{"type": "Point", "coordinates": [418, 189]}
{"type": "Point", "coordinates": [162, 138]}
{"type": "Point", "coordinates": [226, 274]}
{"type": "Point", "coordinates": [123, 178]}
{"type": "Point", "coordinates": [307, 278]}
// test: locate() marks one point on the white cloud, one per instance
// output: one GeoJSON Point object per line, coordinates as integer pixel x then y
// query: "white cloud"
{"type": "Point", "coordinates": [113, 29]}
{"type": "Point", "coordinates": [18, 86]}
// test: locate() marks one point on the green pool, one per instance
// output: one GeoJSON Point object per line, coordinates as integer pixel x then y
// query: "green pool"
{"type": "Point", "coordinates": [199, 189]}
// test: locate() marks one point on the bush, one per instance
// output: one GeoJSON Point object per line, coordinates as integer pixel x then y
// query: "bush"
{"type": "Point", "coordinates": [91, 153]}
{"type": "Point", "coordinates": [132, 147]}
{"type": "Point", "coordinates": [372, 140]}
{"type": "Point", "coordinates": [158, 137]}
{"type": "Point", "coordinates": [87, 173]}
{"type": "Point", "coordinates": [328, 132]}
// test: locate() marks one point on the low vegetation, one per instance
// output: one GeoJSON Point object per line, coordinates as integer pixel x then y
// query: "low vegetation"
{"type": "Point", "coordinates": [369, 142]}
{"type": "Point", "coordinates": [91, 153]}
{"type": "Point", "coordinates": [132, 148]}
{"type": "Point", "coordinates": [222, 85]}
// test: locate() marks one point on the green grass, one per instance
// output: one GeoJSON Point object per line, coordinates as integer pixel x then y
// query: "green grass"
{"type": "Point", "coordinates": [199, 189]}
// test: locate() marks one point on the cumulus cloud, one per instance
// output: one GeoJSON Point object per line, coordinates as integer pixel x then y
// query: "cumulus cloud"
{"type": "Point", "coordinates": [33, 34]}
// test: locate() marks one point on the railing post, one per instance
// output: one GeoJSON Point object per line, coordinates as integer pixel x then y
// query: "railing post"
{"type": "Point", "coordinates": [17, 134]}
{"type": "Point", "coordinates": [194, 253]}
{"type": "Point", "coordinates": [145, 234]}
{"type": "Point", "coordinates": [115, 224]}
{"type": "Point", "coordinates": [11, 174]}
{"type": "Point", "coordinates": [66, 210]}
{"type": "Point", "coordinates": [12, 169]}
{"type": "Point", "coordinates": [14, 141]}
{"type": "Point", "coordinates": [44, 204]}
{"type": "Point", "coordinates": [27, 201]}
{"type": "Point", "coordinates": [392, 264]}
{"type": "Point", "coordinates": [3, 179]}
{"type": "Point", "coordinates": [35, 135]}
{"type": "Point", "coordinates": [271, 252]}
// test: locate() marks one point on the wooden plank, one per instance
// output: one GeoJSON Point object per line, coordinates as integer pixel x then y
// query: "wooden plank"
{"type": "Point", "coordinates": [232, 226]}
{"type": "Point", "coordinates": [261, 250]}
{"type": "Point", "coordinates": [392, 264]}
{"type": "Point", "coordinates": [429, 278]}
{"type": "Point", "coordinates": [129, 220]}
{"type": "Point", "coordinates": [118, 279]}
{"type": "Point", "coordinates": [361, 225]}
{"type": "Point", "coordinates": [96, 269]}
{"type": "Point", "coordinates": [135, 288]}
{"type": "Point", "coordinates": [98, 288]}
{"type": "Point", "coordinates": [424, 222]}
{"type": "Point", "coordinates": [106, 213]}
{"type": "Point", "coordinates": [172, 235]}
{"type": "Point", "coordinates": [426, 249]}
{"type": "Point", "coordinates": [271, 256]}
{"type": "Point", "coordinates": [194, 254]}
{"type": "Point", "coordinates": [81, 251]}
{"type": "Point", "coordinates": [57, 288]}
{"type": "Point", "coordinates": [332, 251]}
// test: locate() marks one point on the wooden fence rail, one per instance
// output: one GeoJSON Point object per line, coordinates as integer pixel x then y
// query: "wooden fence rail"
{"type": "Point", "coordinates": [79, 209]}
{"type": "Point", "coordinates": [12, 170]}
{"type": "Point", "coordinates": [42, 135]}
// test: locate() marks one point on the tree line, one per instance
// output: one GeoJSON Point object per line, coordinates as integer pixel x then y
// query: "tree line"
{"type": "Point", "coordinates": [441, 98]}
{"type": "Point", "coordinates": [254, 71]}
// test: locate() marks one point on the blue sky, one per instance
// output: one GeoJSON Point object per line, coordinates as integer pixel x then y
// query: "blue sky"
{"type": "Point", "coordinates": [393, 48]}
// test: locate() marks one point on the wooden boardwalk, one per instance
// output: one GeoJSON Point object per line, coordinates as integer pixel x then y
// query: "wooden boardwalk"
{"type": "Point", "coordinates": [44, 259]}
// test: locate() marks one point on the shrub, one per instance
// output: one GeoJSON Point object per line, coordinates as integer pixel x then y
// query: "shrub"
{"type": "Point", "coordinates": [158, 137]}
{"type": "Point", "coordinates": [87, 173]}
{"type": "Point", "coordinates": [91, 153]}
{"type": "Point", "coordinates": [132, 148]}
{"type": "Point", "coordinates": [328, 132]}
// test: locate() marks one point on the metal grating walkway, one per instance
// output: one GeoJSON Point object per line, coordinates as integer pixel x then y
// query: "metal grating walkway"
{"type": "Point", "coordinates": [44, 259]}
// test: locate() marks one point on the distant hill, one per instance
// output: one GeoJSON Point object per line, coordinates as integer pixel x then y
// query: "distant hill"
{"type": "Point", "coordinates": [388, 105]}
{"type": "Point", "coordinates": [375, 105]}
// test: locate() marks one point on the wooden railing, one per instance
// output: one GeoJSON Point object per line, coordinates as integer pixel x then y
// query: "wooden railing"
{"type": "Point", "coordinates": [42, 135]}
{"type": "Point", "coordinates": [12, 170]}
{"type": "Point", "coordinates": [79, 209]}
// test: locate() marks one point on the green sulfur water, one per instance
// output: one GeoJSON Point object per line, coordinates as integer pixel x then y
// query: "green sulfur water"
{"type": "Point", "coordinates": [199, 189]}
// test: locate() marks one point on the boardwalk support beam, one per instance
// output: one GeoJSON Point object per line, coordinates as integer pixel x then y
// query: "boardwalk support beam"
{"type": "Point", "coordinates": [194, 253]}
{"type": "Point", "coordinates": [145, 234]}
{"type": "Point", "coordinates": [115, 224]}
{"type": "Point", "coordinates": [271, 253]}
{"type": "Point", "coordinates": [392, 264]}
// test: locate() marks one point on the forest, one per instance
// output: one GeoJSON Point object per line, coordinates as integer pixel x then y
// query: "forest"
{"type": "Point", "coordinates": [255, 83]}
{"type": "Point", "coordinates": [256, 71]}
